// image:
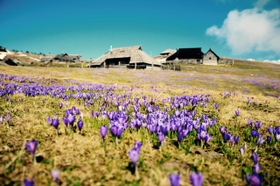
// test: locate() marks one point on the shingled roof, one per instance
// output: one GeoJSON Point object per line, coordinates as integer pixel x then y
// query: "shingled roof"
{"type": "Point", "coordinates": [187, 53]}
{"type": "Point", "coordinates": [135, 54]}
{"type": "Point", "coordinates": [168, 52]}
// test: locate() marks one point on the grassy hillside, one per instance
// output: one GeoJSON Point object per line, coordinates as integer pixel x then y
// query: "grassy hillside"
{"type": "Point", "coordinates": [189, 109]}
{"type": "Point", "coordinates": [24, 58]}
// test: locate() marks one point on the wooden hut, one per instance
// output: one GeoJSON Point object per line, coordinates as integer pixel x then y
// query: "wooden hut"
{"type": "Point", "coordinates": [126, 57]}
{"type": "Point", "coordinates": [186, 55]}
{"type": "Point", "coordinates": [210, 58]}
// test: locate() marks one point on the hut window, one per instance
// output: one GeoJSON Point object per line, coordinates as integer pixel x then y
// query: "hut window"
{"type": "Point", "coordinates": [209, 58]}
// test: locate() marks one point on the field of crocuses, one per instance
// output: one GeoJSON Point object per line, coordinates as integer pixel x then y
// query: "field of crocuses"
{"type": "Point", "coordinates": [204, 125]}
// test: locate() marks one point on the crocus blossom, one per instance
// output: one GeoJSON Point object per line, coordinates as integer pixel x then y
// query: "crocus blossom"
{"type": "Point", "coordinates": [174, 179]}
{"type": "Point", "coordinates": [31, 146]}
{"type": "Point", "coordinates": [237, 112]}
{"type": "Point", "coordinates": [255, 157]}
{"type": "Point", "coordinates": [55, 122]}
{"type": "Point", "coordinates": [161, 137]}
{"type": "Point", "coordinates": [55, 174]}
{"type": "Point", "coordinates": [8, 117]}
{"type": "Point", "coordinates": [254, 179]}
{"type": "Point", "coordinates": [256, 168]}
{"type": "Point", "coordinates": [28, 182]}
{"type": "Point", "coordinates": [80, 124]}
{"type": "Point", "coordinates": [134, 156]}
{"type": "Point", "coordinates": [103, 131]}
{"type": "Point", "coordinates": [241, 150]}
{"type": "Point", "coordinates": [196, 179]}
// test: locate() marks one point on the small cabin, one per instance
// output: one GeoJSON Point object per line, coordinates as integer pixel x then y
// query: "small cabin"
{"type": "Point", "coordinates": [210, 58]}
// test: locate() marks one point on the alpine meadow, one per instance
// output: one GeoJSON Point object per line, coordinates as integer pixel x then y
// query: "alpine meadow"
{"type": "Point", "coordinates": [203, 125]}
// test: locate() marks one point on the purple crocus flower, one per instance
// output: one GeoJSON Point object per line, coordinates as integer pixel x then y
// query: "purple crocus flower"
{"type": "Point", "coordinates": [92, 114]}
{"type": "Point", "coordinates": [226, 136]}
{"type": "Point", "coordinates": [277, 136]}
{"type": "Point", "coordinates": [237, 112]}
{"type": "Point", "coordinates": [55, 123]}
{"type": "Point", "coordinates": [269, 139]}
{"type": "Point", "coordinates": [114, 130]}
{"type": "Point", "coordinates": [223, 130]}
{"type": "Point", "coordinates": [1, 119]}
{"type": "Point", "coordinates": [254, 133]}
{"type": "Point", "coordinates": [8, 117]}
{"type": "Point", "coordinates": [49, 120]}
{"type": "Point", "coordinates": [134, 156]}
{"type": "Point", "coordinates": [80, 124]}
{"type": "Point", "coordinates": [137, 145]}
{"type": "Point", "coordinates": [254, 179]}
{"type": "Point", "coordinates": [161, 137]}
{"type": "Point", "coordinates": [208, 138]}
{"type": "Point", "coordinates": [270, 130]}
{"type": "Point", "coordinates": [255, 157]}
{"type": "Point", "coordinates": [277, 133]}
{"type": "Point", "coordinates": [250, 122]}
{"type": "Point", "coordinates": [260, 140]}
{"type": "Point", "coordinates": [28, 182]}
{"type": "Point", "coordinates": [174, 179]}
{"type": "Point", "coordinates": [31, 146]}
{"type": "Point", "coordinates": [103, 131]}
{"type": "Point", "coordinates": [258, 124]}
{"type": "Point", "coordinates": [216, 106]}
{"type": "Point", "coordinates": [65, 121]}
{"type": "Point", "coordinates": [277, 129]}
{"type": "Point", "coordinates": [256, 168]}
{"type": "Point", "coordinates": [60, 105]}
{"type": "Point", "coordinates": [71, 118]}
{"type": "Point", "coordinates": [97, 114]}
{"type": "Point", "coordinates": [55, 174]}
{"type": "Point", "coordinates": [201, 135]}
{"type": "Point", "coordinates": [241, 150]}
{"type": "Point", "coordinates": [236, 139]}
{"type": "Point", "coordinates": [248, 101]}
{"type": "Point", "coordinates": [196, 179]}
{"type": "Point", "coordinates": [119, 132]}
{"type": "Point", "coordinates": [77, 111]}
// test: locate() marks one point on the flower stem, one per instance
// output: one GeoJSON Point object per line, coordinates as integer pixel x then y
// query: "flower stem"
{"type": "Point", "coordinates": [34, 159]}
{"type": "Point", "coordinates": [136, 172]}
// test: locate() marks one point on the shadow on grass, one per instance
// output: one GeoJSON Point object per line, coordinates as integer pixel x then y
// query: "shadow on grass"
{"type": "Point", "coordinates": [131, 168]}
{"type": "Point", "coordinates": [39, 158]}
{"type": "Point", "coordinates": [156, 145]}
{"type": "Point", "coordinates": [176, 143]}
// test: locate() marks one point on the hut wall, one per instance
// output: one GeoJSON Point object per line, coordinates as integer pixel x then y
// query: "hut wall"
{"type": "Point", "coordinates": [185, 61]}
{"type": "Point", "coordinates": [210, 59]}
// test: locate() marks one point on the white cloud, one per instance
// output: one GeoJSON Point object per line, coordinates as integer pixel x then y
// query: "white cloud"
{"type": "Point", "coordinates": [261, 3]}
{"type": "Point", "coordinates": [272, 61]}
{"type": "Point", "coordinates": [250, 30]}
{"type": "Point", "coordinates": [250, 59]}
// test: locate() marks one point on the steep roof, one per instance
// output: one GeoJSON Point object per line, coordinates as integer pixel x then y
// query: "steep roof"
{"type": "Point", "coordinates": [168, 52]}
{"type": "Point", "coordinates": [187, 53]}
{"type": "Point", "coordinates": [210, 50]}
{"type": "Point", "coordinates": [58, 56]}
{"type": "Point", "coordinates": [135, 54]}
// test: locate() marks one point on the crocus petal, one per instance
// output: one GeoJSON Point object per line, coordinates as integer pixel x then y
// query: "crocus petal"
{"type": "Point", "coordinates": [174, 179]}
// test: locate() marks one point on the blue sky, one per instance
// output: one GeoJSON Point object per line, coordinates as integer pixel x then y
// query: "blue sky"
{"type": "Point", "coordinates": [232, 28]}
